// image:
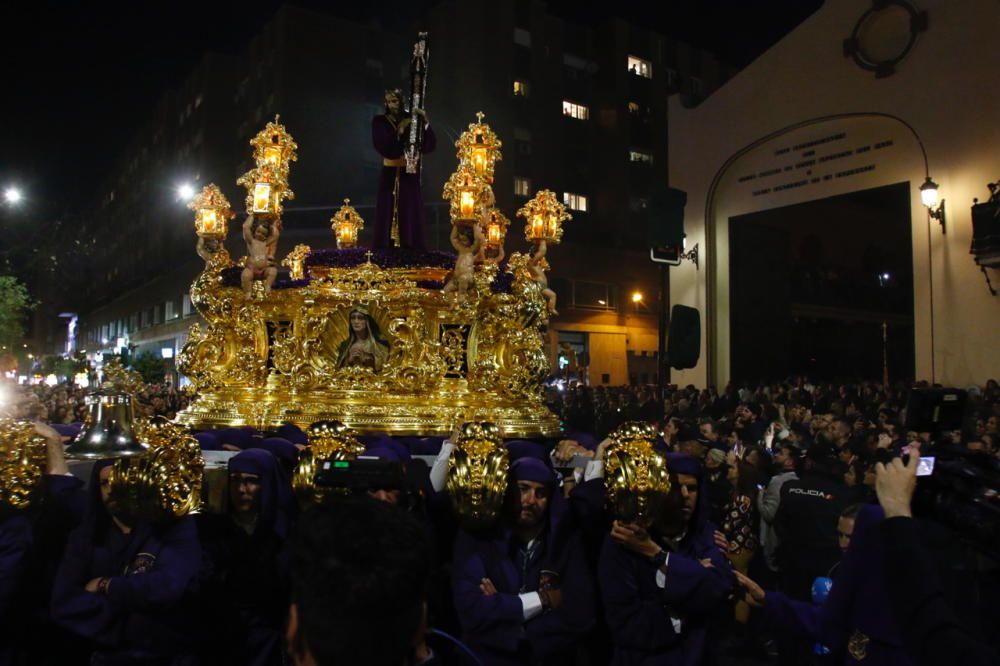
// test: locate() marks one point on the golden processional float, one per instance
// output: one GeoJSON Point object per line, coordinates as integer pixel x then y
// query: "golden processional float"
{"type": "Point", "coordinates": [380, 341]}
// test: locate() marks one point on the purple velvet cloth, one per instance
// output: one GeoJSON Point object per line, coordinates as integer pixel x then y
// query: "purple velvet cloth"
{"type": "Point", "coordinates": [386, 453]}
{"type": "Point", "coordinates": [280, 448]}
{"type": "Point", "coordinates": [424, 446]}
{"type": "Point", "coordinates": [524, 448]}
{"type": "Point", "coordinates": [293, 434]}
{"type": "Point", "coordinates": [66, 429]}
{"type": "Point", "coordinates": [410, 206]}
{"type": "Point", "coordinates": [239, 437]}
{"type": "Point", "coordinates": [208, 441]}
{"type": "Point", "coordinates": [532, 469]}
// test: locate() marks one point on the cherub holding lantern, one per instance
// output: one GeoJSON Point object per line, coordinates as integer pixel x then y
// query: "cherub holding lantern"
{"type": "Point", "coordinates": [468, 242]}
{"type": "Point", "coordinates": [536, 269]}
{"type": "Point", "coordinates": [261, 236]}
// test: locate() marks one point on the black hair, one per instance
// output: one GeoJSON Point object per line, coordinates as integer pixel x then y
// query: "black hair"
{"type": "Point", "coordinates": [359, 578]}
{"type": "Point", "coordinates": [851, 511]}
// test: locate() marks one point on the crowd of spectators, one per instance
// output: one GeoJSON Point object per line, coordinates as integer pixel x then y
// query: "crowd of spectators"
{"type": "Point", "coordinates": [65, 403]}
{"type": "Point", "coordinates": [787, 535]}
{"type": "Point", "coordinates": [798, 409]}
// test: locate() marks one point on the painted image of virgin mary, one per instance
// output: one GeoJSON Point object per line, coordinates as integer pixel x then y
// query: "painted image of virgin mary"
{"type": "Point", "coordinates": [364, 347]}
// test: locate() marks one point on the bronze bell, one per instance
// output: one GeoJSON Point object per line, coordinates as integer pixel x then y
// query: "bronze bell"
{"type": "Point", "coordinates": [110, 434]}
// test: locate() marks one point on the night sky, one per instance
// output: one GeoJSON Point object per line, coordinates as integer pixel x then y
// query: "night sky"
{"type": "Point", "coordinates": [81, 76]}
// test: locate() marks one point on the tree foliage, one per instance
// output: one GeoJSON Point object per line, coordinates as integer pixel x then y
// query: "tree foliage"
{"type": "Point", "coordinates": [15, 303]}
{"type": "Point", "coordinates": [151, 367]}
{"type": "Point", "coordinates": [62, 367]}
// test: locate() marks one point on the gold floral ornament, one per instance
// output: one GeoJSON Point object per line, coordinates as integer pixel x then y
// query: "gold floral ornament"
{"type": "Point", "coordinates": [166, 481]}
{"type": "Point", "coordinates": [480, 147]}
{"type": "Point", "coordinates": [119, 379]}
{"type": "Point", "coordinates": [636, 476]}
{"type": "Point", "coordinates": [346, 224]}
{"type": "Point", "coordinates": [212, 213]}
{"type": "Point", "coordinates": [295, 262]}
{"type": "Point", "coordinates": [544, 215]}
{"type": "Point", "coordinates": [267, 183]}
{"type": "Point", "coordinates": [477, 475]}
{"type": "Point", "coordinates": [466, 192]}
{"type": "Point", "coordinates": [494, 225]}
{"type": "Point", "coordinates": [328, 441]}
{"type": "Point", "coordinates": [22, 463]}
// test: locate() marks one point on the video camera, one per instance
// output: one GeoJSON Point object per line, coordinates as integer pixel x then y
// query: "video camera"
{"type": "Point", "coordinates": [962, 489]}
{"type": "Point", "coordinates": [361, 475]}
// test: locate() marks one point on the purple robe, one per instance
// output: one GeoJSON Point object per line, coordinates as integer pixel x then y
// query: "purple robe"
{"type": "Point", "coordinates": [494, 626]}
{"type": "Point", "coordinates": [639, 612]}
{"type": "Point", "coordinates": [151, 569]}
{"type": "Point", "coordinates": [410, 208]}
{"type": "Point", "coordinates": [31, 545]}
{"type": "Point", "coordinates": [857, 606]}
{"type": "Point", "coordinates": [245, 577]}
{"type": "Point", "coordinates": [15, 546]}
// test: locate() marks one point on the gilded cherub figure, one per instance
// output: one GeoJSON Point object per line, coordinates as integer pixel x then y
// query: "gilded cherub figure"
{"type": "Point", "coordinates": [467, 241]}
{"type": "Point", "coordinates": [212, 250]}
{"type": "Point", "coordinates": [261, 237]}
{"type": "Point", "coordinates": [536, 269]}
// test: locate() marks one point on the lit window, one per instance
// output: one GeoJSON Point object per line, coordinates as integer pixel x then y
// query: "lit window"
{"type": "Point", "coordinates": [520, 88]}
{"type": "Point", "coordinates": [522, 186]}
{"type": "Point", "coordinates": [640, 67]}
{"type": "Point", "coordinates": [197, 101]}
{"type": "Point", "coordinates": [639, 156]}
{"type": "Point", "coordinates": [633, 108]}
{"type": "Point", "coordinates": [575, 201]}
{"type": "Point", "coordinates": [578, 111]}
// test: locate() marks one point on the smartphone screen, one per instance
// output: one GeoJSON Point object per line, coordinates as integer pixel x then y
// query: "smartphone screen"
{"type": "Point", "coordinates": [926, 466]}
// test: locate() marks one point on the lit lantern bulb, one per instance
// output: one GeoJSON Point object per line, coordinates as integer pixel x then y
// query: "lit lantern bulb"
{"type": "Point", "coordinates": [209, 221]}
{"type": "Point", "coordinates": [493, 235]}
{"type": "Point", "coordinates": [479, 161]}
{"type": "Point", "coordinates": [537, 225]}
{"type": "Point", "coordinates": [467, 205]}
{"type": "Point", "coordinates": [262, 198]}
{"type": "Point", "coordinates": [272, 155]}
{"type": "Point", "coordinates": [346, 236]}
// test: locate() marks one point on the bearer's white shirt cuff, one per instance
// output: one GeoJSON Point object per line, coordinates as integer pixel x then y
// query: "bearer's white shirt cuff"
{"type": "Point", "coordinates": [532, 604]}
{"type": "Point", "coordinates": [594, 470]}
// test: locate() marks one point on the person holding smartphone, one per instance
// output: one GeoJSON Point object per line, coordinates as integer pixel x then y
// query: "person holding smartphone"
{"type": "Point", "coordinates": [930, 630]}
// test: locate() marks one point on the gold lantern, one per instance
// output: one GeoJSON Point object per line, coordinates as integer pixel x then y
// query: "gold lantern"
{"type": "Point", "coordinates": [267, 182]}
{"type": "Point", "coordinates": [544, 215]}
{"type": "Point", "coordinates": [465, 190]}
{"type": "Point", "coordinates": [494, 225]}
{"type": "Point", "coordinates": [479, 147]}
{"type": "Point", "coordinates": [212, 213]}
{"type": "Point", "coordinates": [346, 224]}
{"type": "Point", "coordinates": [295, 262]}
